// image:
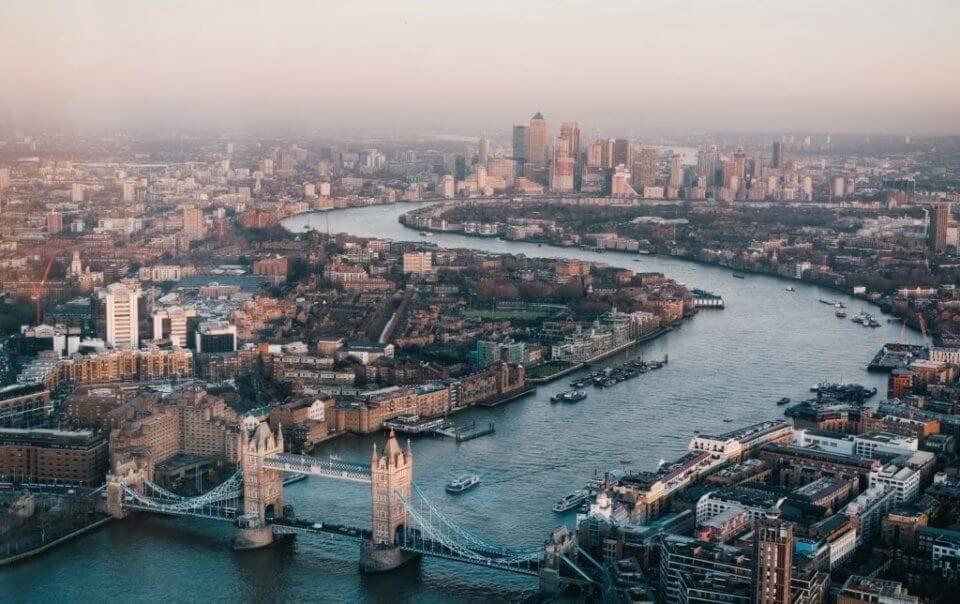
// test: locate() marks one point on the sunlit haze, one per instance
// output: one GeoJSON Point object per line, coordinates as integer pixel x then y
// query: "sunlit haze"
{"type": "Point", "coordinates": [818, 65]}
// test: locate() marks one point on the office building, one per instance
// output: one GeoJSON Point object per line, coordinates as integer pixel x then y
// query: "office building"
{"type": "Point", "coordinates": [53, 456]}
{"type": "Point", "coordinates": [937, 229]}
{"type": "Point", "coordinates": [216, 337]}
{"type": "Point", "coordinates": [120, 304]}
{"type": "Point", "coordinates": [571, 132]}
{"type": "Point", "coordinates": [622, 152]}
{"type": "Point", "coordinates": [777, 159]}
{"type": "Point", "coordinates": [538, 141]}
{"type": "Point", "coordinates": [870, 589]}
{"type": "Point", "coordinates": [520, 134]}
{"type": "Point", "coordinates": [171, 324]}
{"type": "Point", "coordinates": [483, 151]}
{"type": "Point", "coordinates": [562, 170]}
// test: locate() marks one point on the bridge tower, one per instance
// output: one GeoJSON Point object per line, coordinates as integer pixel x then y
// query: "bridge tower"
{"type": "Point", "coordinates": [390, 473]}
{"type": "Point", "coordinates": [123, 474]}
{"type": "Point", "coordinates": [262, 488]}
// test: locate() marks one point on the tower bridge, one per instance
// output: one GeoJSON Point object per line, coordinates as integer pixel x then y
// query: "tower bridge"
{"type": "Point", "coordinates": [405, 524]}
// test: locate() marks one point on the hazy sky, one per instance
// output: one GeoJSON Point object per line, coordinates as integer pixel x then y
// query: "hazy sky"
{"type": "Point", "coordinates": [470, 66]}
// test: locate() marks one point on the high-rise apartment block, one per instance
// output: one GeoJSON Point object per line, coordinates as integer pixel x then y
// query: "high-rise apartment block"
{"type": "Point", "coordinates": [120, 304]}
{"type": "Point", "coordinates": [773, 556]}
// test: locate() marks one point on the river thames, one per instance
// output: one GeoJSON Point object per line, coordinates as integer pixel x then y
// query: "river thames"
{"type": "Point", "coordinates": [734, 363]}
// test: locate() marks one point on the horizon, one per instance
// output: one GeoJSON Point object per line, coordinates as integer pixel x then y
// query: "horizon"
{"type": "Point", "coordinates": [662, 67]}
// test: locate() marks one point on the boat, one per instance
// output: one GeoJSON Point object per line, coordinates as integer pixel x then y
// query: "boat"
{"type": "Point", "coordinates": [727, 420]}
{"type": "Point", "coordinates": [423, 233]}
{"type": "Point", "coordinates": [784, 401]}
{"type": "Point", "coordinates": [839, 305]}
{"type": "Point", "coordinates": [571, 501]}
{"type": "Point", "coordinates": [462, 483]}
{"type": "Point", "coordinates": [791, 288]}
{"type": "Point", "coordinates": [840, 313]}
{"type": "Point", "coordinates": [570, 396]}
{"type": "Point", "coordinates": [739, 276]}
{"type": "Point", "coordinates": [573, 396]}
{"type": "Point", "coordinates": [828, 302]}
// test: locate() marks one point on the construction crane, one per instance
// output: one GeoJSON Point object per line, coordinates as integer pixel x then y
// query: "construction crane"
{"type": "Point", "coordinates": [38, 288]}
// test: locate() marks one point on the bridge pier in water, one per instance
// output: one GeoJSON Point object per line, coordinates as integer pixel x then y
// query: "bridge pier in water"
{"type": "Point", "coordinates": [262, 489]}
{"type": "Point", "coordinates": [390, 474]}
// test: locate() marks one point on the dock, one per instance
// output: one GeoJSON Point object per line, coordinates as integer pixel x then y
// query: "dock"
{"type": "Point", "coordinates": [413, 424]}
{"type": "Point", "coordinates": [467, 432]}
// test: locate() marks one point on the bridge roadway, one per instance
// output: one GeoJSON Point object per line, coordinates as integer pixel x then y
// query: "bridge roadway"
{"type": "Point", "coordinates": [304, 464]}
{"type": "Point", "coordinates": [299, 526]}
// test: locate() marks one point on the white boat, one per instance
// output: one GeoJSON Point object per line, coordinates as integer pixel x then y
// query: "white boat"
{"type": "Point", "coordinates": [571, 501]}
{"type": "Point", "coordinates": [463, 483]}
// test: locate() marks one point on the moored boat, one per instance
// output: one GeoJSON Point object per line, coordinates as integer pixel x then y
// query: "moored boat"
{"type": "Point", "coordinates": [571, 501]}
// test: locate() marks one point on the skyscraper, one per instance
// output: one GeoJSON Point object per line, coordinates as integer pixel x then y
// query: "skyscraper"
{"type": "Point", "coordinates": [571, 132]}
{"type": "Point", "coordinates": [193, 223]}
{"type": "Point", "coordinates": [622, 152]}
{"type": "Point", "coordinates": [120, 304]}
{"type": "Point", "coordinates": [561, 179]}
{"type": "Point", "coordinates": [538, 141]}
{"type": "Point", "coordinates": [773, 557]}
{"type": "Point", "coordinates": [937, 230]}
{"type": "Point", "coordinates": [520, 135]}
{"type": "Point", "coordinates": [483, 151]}
{"type": "Point", "coordinates": [645, 168]}
{"type": "Point", "coordinates": [676, 171]}
{"type": "Point", "coordinates": [777, 161]}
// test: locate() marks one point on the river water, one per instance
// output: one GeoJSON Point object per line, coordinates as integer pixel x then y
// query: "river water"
{"type": "Point", "coordinates": [734, 363]}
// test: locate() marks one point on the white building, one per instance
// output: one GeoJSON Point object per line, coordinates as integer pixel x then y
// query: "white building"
{"type": "Point", "coordinates": [868, 509]}
{"type": "Point", "coordinates": [842, 547]}
{"type": "Point", "coordinates": [733, 445]}
{"type": "Point", "coordinates": [945, 354]}
{"type": "Point", "coordinates": [121, 309]}
{"type": "Point", "coordinates": [172, 322]}
{"type": "Point", "coordinates": [904, 481]}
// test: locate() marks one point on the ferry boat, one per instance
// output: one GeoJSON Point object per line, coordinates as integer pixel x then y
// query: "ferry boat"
{"type": "Point", "coordinates": [463, 483]}
{"type": "Point", "coordinates": [571, 501]}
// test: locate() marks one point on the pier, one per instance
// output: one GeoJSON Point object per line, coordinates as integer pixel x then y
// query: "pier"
{"type": "Point", "coordinates": [467, 432]}
{"type": "Point", "coordinates": [413, 424]}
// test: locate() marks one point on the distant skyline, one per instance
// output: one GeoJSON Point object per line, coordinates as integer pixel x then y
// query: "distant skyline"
{"type": "Point", "coordinates": [878, 66]}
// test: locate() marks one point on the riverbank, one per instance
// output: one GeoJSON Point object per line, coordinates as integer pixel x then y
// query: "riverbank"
{"type": "Point", "coordinates": [51, 544]}
{"type": "Point", "coordinates": [603, 355]}
{"type": "Point", "coordinates": [685, 258]}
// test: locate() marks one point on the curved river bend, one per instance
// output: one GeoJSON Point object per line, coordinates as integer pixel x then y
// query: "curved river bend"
{"type": "Point", "coordinates": [735, 363]}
